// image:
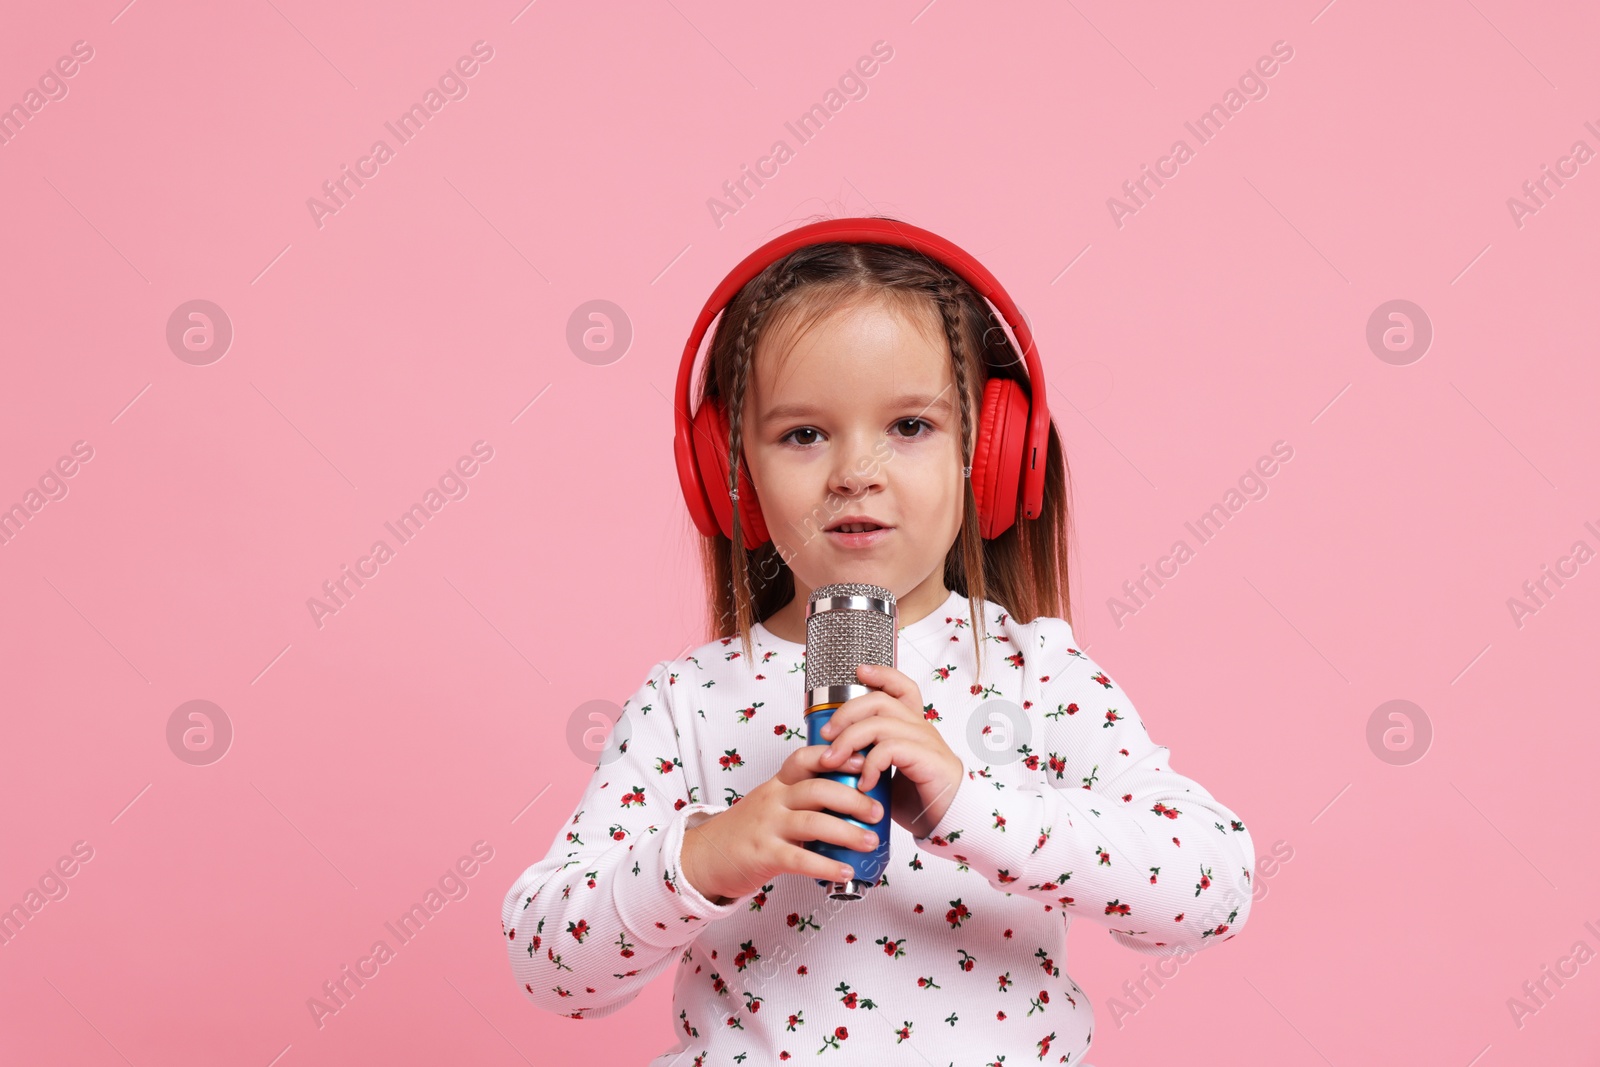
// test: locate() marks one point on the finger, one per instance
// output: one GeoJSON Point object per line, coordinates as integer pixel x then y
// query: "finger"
{"type": "Point", "coordinates": [868, 704]}
{"type": "Point", "coordinates": [820, 826]}
{"type": "Point", "coordinates": [894, 682]}
{"type": "Point", "coordinates": [796, 860]}
{"type": "Point", "coordinates": [874, 705]}
{"type": "Point", "coordinates": [876, 763]}
{"type": "Point", "coordinates": [913, 757]}
{"type": "Point", "coordinates": [805, 763]}
{"type": "Point", "coordinates": [857, 736]}
{"type": "Point", "coordinates": [837, 797]}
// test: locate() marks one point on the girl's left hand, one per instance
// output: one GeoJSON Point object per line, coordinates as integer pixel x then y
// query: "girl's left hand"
{"type": "Point", "coordinates": [890, 719]}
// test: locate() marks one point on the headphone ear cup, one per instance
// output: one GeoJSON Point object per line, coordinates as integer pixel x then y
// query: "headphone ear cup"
{"type": "Point", "coordinates": [997, 458]}
{"type": "Point", "coordinates": [711, 453]}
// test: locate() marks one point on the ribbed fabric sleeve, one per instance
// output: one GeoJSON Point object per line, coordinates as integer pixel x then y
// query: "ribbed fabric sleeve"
{"type": "Point", "coordinates": [593, 922]}
{"type": "Point", "coordinates": [1090, 815]}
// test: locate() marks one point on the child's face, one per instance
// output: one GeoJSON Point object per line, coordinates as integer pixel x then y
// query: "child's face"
{"type": "Point", "coordinates": [876, 433]}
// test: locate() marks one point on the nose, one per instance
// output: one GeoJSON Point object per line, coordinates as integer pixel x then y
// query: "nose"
{"type": "Point", "coordinates": [858, 469]}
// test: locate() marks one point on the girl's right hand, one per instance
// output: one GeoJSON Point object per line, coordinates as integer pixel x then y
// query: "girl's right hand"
{"type": "Point", "coordinates": [737, 851]}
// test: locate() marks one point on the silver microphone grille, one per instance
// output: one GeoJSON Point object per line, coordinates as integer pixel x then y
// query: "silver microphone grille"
{"type": "Point", "coordinates": [847, 624]}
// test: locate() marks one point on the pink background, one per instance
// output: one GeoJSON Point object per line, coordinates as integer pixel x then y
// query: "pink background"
{"type": "Point", "coordinates": [431, 311]}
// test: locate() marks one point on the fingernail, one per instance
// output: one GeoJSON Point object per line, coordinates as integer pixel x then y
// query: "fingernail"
{"type": "Point", "coordinates": [877, 811]}
{"type": "Point", "coordinates": [869, 837]}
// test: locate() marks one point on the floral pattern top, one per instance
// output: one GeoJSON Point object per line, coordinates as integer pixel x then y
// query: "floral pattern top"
{"type": "Point", "coordinates": [1068, 810]}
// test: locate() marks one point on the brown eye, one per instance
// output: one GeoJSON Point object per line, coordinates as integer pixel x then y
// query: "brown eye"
{"type": "Point", "coordinates": [791, 433]}
{"type": "Point", "coordinates": [914, 423]}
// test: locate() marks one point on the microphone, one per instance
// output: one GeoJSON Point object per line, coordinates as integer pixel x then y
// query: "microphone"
{"type": "Point", "coordinates": [848, 624]}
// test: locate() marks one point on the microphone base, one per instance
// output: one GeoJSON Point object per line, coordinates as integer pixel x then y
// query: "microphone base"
{"type": "Point", "coordinates": [853, 889]}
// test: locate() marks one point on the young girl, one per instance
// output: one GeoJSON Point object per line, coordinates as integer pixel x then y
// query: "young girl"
{"type": "Point", "coordinates": [1025, 790]}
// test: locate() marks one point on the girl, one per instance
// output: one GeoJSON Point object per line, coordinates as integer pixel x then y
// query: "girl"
{"type": "Point", "coordinates": [1025, 790]}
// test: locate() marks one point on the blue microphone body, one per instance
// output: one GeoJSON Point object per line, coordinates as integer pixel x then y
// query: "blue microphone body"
{"type": "Point", "coordinates": [848, 624]}
{"type": "Point", "coordinates": [868, 866]}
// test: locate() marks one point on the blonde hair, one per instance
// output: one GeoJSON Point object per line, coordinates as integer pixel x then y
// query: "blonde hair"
{"type": "Point", "coordinates": [1024, 570]}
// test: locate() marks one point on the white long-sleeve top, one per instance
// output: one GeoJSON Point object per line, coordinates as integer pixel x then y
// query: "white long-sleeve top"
{"type": "Point", "coordinates": [1068, 810]}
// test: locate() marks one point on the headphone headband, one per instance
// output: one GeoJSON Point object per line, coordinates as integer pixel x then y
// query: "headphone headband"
{"type": "Point", "coordinates": [863, 231]}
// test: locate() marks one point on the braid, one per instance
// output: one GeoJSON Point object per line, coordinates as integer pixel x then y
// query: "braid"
{"type": "Point", "coordinates": [743, 358]}
{"type": "Point", "coordinates": [950, 312]}
{"type": "Point", "coordinates": [947, 293]}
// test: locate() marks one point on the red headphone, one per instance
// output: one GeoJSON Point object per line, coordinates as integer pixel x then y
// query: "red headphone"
{"type": "Point", "coordinates": [1012, 432]}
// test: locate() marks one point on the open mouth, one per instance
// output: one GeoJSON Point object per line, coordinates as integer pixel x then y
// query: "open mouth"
{"type": "Point", "coordinates": [858, 533]}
